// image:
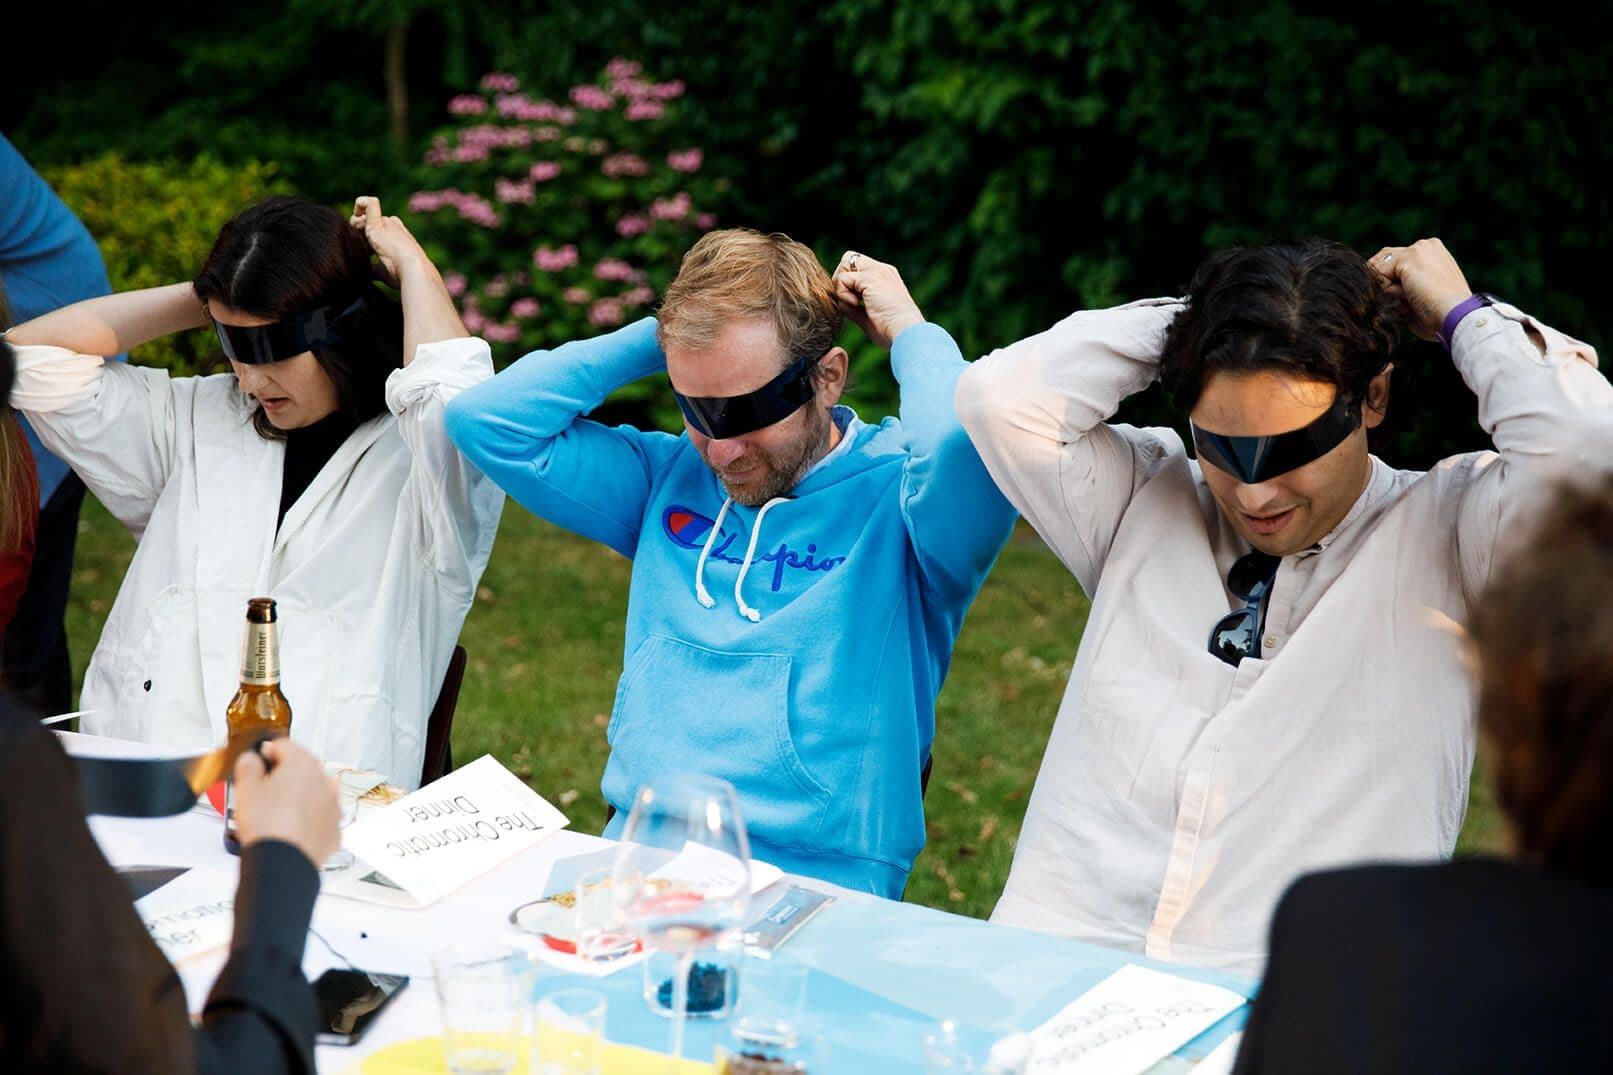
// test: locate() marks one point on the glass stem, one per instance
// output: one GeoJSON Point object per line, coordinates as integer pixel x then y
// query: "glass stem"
{"type": "Point", "coordinates": [680, 1006]}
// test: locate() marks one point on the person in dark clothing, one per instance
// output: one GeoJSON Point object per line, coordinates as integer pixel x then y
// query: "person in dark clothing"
{"type": "Point", "coordinates": [1485, 964]}
{"type": "Point", "coordinates": [82, 985]}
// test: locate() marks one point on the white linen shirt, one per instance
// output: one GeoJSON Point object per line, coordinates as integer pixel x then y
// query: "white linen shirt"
{"type": "Point", "coordinates": [1179, 795]}
{"type": "Point", "coordinates": [373, 567]}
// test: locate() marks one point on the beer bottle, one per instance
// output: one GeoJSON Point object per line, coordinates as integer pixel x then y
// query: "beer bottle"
{"type": "Point", "coordinates": [258, 708]}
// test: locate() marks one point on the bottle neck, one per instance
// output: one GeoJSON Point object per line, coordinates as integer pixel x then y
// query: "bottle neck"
{"type": "Point", "coordinates": [260, 661]}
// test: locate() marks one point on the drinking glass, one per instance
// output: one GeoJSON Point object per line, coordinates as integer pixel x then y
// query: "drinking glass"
{"type": "Point", "coordinates": [482, 988]}
{"type": "Point", "coordinates": [681, 879]}
{"type": "Point", "coordinates": [568, 1032]}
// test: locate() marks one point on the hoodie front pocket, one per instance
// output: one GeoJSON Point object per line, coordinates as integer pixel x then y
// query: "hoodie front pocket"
{"type": "Point", "coordinates": [685, 708]}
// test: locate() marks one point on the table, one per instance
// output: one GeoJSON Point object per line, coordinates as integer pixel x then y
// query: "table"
{"type": "Point", "coordinates": [881, 973]}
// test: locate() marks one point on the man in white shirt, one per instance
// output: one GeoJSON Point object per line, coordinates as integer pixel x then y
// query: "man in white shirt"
{"type": "Point", "coordinates": [1270, 681]}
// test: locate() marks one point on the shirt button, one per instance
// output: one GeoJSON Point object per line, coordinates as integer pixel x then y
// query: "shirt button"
{"type": "Point", "coordinates": [1271, 642]}
{"type": "Point", "coordinates": [1481, 322]}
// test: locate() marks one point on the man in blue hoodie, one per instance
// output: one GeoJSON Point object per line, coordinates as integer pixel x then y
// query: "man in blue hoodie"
{"type": "Point", "coordinates": [799, 575]}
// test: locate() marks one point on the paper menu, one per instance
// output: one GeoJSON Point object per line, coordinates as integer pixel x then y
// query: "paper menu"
{"type": "Point", "coordinates": [434, 840]}
{"type": "Point", "coordinates": [193, 913]}
{"type": "Point", "coordinates": [1127, 1023]}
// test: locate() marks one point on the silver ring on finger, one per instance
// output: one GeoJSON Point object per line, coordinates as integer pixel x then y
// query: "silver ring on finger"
{"type": "Point", "coordinates": [851, 262]}
{"type": "Point", "coordinates": [1387, 258]}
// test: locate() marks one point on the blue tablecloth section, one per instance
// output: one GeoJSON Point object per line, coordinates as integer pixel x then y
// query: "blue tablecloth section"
{"type": "Point", "coordinates": [883, 974]}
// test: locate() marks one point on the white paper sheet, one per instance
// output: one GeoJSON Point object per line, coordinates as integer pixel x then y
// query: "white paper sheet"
{"type": "Point", "coordinates": [1127, 1023]}
{"type": "Point", "coordinates": [432, 841]}
{"type": "Point", "coordinates": [193, 913]}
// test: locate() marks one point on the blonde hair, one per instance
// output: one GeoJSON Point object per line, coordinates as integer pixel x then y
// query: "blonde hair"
{"type": "Point", "coordinates": [738, 274]}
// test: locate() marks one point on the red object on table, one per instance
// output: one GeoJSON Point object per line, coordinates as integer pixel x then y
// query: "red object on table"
{"type": "Point", "coordinates": [215, 795]}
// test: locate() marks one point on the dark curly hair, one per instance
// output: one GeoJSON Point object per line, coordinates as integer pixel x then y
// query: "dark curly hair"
{"type": "Point", "coordinates": [1310, 307]}
{"type": "Point", "coordinates": [286, 255]}
{"type": "Point", "coordinates": [1543, 634]}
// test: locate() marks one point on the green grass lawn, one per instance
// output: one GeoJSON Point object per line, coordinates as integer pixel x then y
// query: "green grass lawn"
{"type": "Point", "coordinates": [545, 647]}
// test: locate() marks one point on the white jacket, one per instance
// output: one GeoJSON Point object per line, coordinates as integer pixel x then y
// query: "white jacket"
{"type": "Point", "coordinates": [373, 568]}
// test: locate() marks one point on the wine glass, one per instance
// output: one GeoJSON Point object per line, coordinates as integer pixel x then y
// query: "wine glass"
{"type": "Point", "coordinates": [681, 880]}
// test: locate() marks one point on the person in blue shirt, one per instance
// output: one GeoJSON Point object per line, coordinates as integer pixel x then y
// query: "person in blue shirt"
{"type": "Point", "coordinates": [799, 575]}
{"type": "Point", "coordinates": [47, 260]}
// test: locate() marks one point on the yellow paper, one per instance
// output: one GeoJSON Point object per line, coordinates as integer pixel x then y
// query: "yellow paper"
{"type": "Point", "coordinates": [424, 1056]}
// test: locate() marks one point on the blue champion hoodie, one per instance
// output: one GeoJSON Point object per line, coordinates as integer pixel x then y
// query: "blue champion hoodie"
{"type": "Point", "coordinates": [794, 650]}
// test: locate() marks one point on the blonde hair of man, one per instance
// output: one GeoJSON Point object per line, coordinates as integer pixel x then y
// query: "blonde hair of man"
{"type": "Point", "coordinates": [739, 274]}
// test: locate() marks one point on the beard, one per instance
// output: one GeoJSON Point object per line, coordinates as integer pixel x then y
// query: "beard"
{"type": "Point", "coordinates": [772, 474]}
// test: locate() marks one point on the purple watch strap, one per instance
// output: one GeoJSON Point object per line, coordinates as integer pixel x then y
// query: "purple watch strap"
{"type": "Point", "coordinates": [1459, 311]}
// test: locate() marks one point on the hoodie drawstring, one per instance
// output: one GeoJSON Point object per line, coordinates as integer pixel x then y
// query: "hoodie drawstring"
{"type": "Point", "coordinates": [756, 531]}
{"type": "Point", "coordinates": [701, 593]}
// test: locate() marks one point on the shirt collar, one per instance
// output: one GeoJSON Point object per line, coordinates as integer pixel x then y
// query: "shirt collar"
{"type": "Point", "coordinates": [845, 420]}
{"type": "Point", "coordinates": [1379, 483]}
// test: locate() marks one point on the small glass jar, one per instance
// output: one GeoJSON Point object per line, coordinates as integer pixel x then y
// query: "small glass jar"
{"type": "Point", "coordinates": [713, 982]}
{"type": "Point", "coordinates": [799, 1052]}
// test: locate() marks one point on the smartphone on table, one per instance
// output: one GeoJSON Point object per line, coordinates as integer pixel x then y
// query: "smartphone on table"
{"type": "Point", "coordinates": [349, 1001]}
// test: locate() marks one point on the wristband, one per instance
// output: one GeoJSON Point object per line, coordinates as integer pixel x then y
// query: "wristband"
{"type": "Point", "coordinates": [1448, 330]}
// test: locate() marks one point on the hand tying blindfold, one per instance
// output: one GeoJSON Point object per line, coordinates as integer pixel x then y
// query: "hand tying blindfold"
{"type": "Point", "coordinates": [720, 417]}
{"type": "Point", "coordinates": [1256, 459]}
{"type": "Point", "coordinates": [324, 326]}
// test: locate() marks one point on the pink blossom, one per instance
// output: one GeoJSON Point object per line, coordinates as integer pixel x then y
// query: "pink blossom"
{"type": "Point", "coordinates": [619, 164]}
{"type": "Point", "coordinates": [592, 98]}
{"type": "Point", "coordinates": [527, 307]}
{"type": "Point", "coordinates": [667, 91]}
{"type": "Point", "coordinates": [576, 295]}
{"type": "Point", "coordinates": [543, 171]}
{"type": "Point", "coordinates": [467, 104]}
{"type": "Point", "coordinates": [706, 221]}
{"type": "Point", "coordinates": [637, 296]}
{"type": "Point", "coordinates": [643, 110]}
{"type": "Point", "coordinates": [687, 161]}
{"type": "Point", "coordinates": [513, 192]}
{"type": "Point", "coordinates": [554, 260]}
{"type": "Point", "coordinates": [605, 312]}
{"type": "Point", "coordinates": [632, 224]}
{"type": "Point", "coordinates": [501, 332]}
{"type": "Point", "coordinates": [438, 155]}
{"type": "Point", "coordinates": [545, 134]}
{"type": "Point", "coordinates": [498, 81]}
{"type": "Point", "coordinates": [497, 287]}
{"type": "Point", "coordinates": [622, 67]}
{"type": "Point", "coordinates": [674, 208]}
{"type": "Point", "coordinates": [631, 88]}
{"type": "Point", "coordinates": [565, 116]}
{"type": "Point", "coordinates": [465, 154]}
{"type": "Point", "coordinates": [456, 283]}
{"type": "Point", "coordinates": [613, 269]}
{"type": "Point", "coordinates": [424, 201]}
{"type": "Point", "coordinates": [474, 322]}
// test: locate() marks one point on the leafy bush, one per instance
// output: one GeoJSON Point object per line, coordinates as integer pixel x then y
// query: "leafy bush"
{"type": "Point", "coordinates": [553, 221]}
{"type": "Point", "coordinates": [155, 223]}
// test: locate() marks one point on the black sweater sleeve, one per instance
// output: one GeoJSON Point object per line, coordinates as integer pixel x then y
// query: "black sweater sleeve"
{"type": "Point", "coordinates": [83, 988]}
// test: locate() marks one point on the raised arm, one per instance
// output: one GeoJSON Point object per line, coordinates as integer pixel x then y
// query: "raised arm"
{"type": "Point", "coordinates": [525, 430]}
{"type": "Point", "coordinates": [1036, 411]}
{"type": "Point", "coordinates": [956, 517]}
{"type": "Point", "coordinates": [111, 323]}
{"type": "Point", "coordinates": [1546, 407]}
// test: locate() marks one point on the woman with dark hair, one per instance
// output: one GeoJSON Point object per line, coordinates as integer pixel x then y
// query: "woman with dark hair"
{"type": "Point", "coordinates": [1482, 964]}
{"type": "Point", "coordinates": [316, 472]}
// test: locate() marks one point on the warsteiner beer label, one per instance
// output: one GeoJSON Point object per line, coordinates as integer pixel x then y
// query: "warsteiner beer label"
{"type": "Point", "coordinates": [258, 709]}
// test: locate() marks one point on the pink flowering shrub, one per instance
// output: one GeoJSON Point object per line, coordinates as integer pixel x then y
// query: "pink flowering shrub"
{"type": "Point", "coordinates": [561, 212]}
